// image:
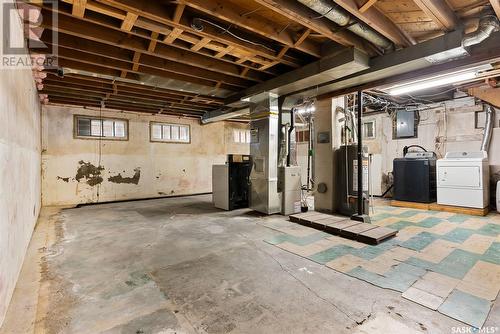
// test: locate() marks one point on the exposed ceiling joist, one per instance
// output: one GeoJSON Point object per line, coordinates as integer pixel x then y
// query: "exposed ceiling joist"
{"type": "Point", "coordinates": [303, 15]}
{"type": "Point", "coordinates": [378, 21]}
{"type": "Point", "coordinates": [496, 7]}
{"type": "Point", "coordinates": [156, 11]}
{"type": "Point", "coordinates": [440, 12]}
{"type": "Point", "coordinates": [230, 13]}
{"type": "Point", "coordinates": [367, 5]}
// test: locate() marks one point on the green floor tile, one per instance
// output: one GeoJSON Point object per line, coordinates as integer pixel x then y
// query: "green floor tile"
{"type": "Point", "coordinates": [331, 253]}
{"type": "Point", "coordinates": [420, 263]}
{"type": "Point", "coordinates": [466, 308]}
{"type": "Point", "coordinates": [400, 279]}
{"type": "Point", "coordinates": [409, 213]}
{"type": "Point", "coordinates": [490, 230]}
{"type": "Point", "coordinates": [368, 252]}
{"type": "Point", "coordinates": [492, 254]}
{"type": "Point", "coordinates": [300, 241]}
{"type": "Point", "coordinates": [367, 276]}
{"type": "Point", "coordinates": [400, 225]}
{"type": "Point", "coordinates": [458, 218]}
{"type": "Point", "coordinates": [420, 241]}
{"type": "Point", "coordinates": [277, 239]}
{"type": "Point", "coordinates": [429, 222]}
{"type": "Point", "coordinates": [409, 269]}
{"type": "Point", "coordinates": [380, 216]}
{"type": "Point", "coordinates": [458, 235]}
{"type": "Point", "coordinates": [457, 264]}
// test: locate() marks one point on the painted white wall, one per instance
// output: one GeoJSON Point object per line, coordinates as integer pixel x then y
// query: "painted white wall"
{"type": "Point", "coordinates": [166, 169]}
{"type": "Point", "coordinates": [19, 171]}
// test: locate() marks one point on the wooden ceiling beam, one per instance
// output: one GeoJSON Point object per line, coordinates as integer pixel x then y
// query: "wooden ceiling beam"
{"type": "Point", "coordinates": [158, 12]}
{"type": "Point", "coordinates": [115, 85]}
{"type": "Point", "coordinates": [496, 7]}
{"type": "Point", "coordinates": [440, 12]}
{"type": "Point", "coordinates": [95, 39]}
{"type": "Point", "coordinates": [79, 7]}
{"type": "Point", "coordinates": [230, 13]}
{"type": "Point", "coordinates": [367, 5]}
{"type": "Point", "coordinates": [201, 44]}
{"type": "Point", "coordinates": [379, 22]}
{"type": "Point", "coordinates": [61, 85]}
{"type": "Point", "coordinates": [129, 21]}
{"type": "Point", "coordinates": [151, 66]}
{"type": "Point", "coordinates": [296, 12]}
{"type": "Point", "coordinates": [160, 28]}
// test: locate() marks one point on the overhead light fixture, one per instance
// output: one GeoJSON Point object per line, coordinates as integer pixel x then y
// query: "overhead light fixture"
{"type": "Point", "coordinates": [436, 81]}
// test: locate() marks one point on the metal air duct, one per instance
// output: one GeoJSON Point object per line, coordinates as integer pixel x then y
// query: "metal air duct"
{"type": "Point", "coordinates": [488, 127]}
{"type": "Point", "coordinates": [338, 15]}
{"type": "Point", "coordinates": [488, 23]}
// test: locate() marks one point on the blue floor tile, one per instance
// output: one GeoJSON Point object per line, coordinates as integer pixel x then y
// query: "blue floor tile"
{"type": "Point", "coordinates": [429, 222]}
{"type": "Point", "coordinates": [331, 253]}
{"type": "Point", "coordinates": [420, 241]}
{"type": "Point", "coordinates": [458, 218]}
{"type": "Point", "coordinates": [492, 254]}
{"type": "Point", "coordinates": [490, 230]}
{"type": "Point", "coordinates": [458, 235]}
{"type": "Point", "coordinates": [457, 264]}
{"type": "Point", "coordinates": [466, 308]}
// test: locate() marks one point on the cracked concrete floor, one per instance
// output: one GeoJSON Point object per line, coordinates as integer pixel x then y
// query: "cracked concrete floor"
{"type": "Point", "coordinates": [179, 265]}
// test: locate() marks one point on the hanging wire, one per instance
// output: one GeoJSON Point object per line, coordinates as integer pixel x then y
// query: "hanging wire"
{"type": "Point", "coordinates": [226, 30]}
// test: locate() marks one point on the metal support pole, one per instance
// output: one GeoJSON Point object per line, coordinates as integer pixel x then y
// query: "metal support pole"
{"type": "Point", "coordinates": [360, 154]}
{"type": "Point", "coordinates": [360, 216]}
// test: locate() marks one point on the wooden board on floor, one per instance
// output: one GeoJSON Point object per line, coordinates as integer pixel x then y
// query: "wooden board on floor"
{"type": "Point", "coordinates": [412, 205]}
{"type": "Point", "coordinates": [353, 231]}
{"type": "Point", "coordinates": [440, 207]}
{"type": "Point", "coordinates": [376, 235]}
{"type": "Point", "coordinates": [344, 226]}
{"type": "Point", "coordinates": [459, 209]}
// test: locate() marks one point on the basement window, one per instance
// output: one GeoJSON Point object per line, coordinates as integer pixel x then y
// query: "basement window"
{"type": "Point", "coordinates": [369, 130]}
{"type": "Point", "coordinates": [170, 133]}
{"type": "Point", "coordinates": [94, 128]}
{"type": "Point", "coordinates": [241, 136]}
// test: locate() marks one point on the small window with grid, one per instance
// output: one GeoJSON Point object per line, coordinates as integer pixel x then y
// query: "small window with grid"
{"type": "Point", "coordinates": [88, 127]}
{"type": "Point", "coordinates": [241, 136]}
{"type": "Point", "coordinates": [369, 130]}
{"type": "Point", "coordinates": [170, 133]}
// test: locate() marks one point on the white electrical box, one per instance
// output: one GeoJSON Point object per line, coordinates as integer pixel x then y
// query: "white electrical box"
{"type": "Point", "coordinates": [463, 179]}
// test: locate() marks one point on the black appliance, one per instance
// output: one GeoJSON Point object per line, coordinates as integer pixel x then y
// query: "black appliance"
{"type": "Point", "coordinates": [239, 180]}
{"type": "Point", "coordinates": [346, 180]}
{"type": "Point", "coordinates": [415, 177]}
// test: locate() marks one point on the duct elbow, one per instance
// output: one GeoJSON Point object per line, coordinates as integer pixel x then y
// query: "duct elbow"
{"type": "Point", "coordinates": [488, 24]}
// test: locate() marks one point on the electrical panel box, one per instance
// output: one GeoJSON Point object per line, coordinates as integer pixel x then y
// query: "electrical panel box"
{"type": "Point", "coordinates": [404, 126]}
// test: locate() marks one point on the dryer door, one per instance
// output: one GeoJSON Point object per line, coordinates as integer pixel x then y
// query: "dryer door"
{"type": "Point", "coordinates": [459, 176]}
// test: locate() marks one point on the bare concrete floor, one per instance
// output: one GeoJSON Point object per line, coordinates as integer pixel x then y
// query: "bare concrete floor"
{"type": "Point", "coordinates": [181, 266]}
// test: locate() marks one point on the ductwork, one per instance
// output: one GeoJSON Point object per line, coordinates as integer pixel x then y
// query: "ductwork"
{"type": "Point", "coordinates": [488, 127]}
{"type": "Point", "coordinates": [488, 23]}
{"type": "Point", "coordinates": [338, 15]}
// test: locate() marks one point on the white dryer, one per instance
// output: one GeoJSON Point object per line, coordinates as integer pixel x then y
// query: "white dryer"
{"type": "Point", "coordinates": [463, 179]}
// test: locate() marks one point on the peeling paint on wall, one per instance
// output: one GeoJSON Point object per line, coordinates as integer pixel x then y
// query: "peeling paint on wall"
{"type": "Point", "coordinates": [91, 173]}
{"type": "Point", "coordinates": [65, 179]}
{"type": "Point", "coordinates": [130, 180]}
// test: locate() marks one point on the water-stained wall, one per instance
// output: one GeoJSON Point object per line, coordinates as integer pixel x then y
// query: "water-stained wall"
{"type": "Point", "coordinates": [19, 171]}
{"type": "Point", "coordinates": [89, 170]}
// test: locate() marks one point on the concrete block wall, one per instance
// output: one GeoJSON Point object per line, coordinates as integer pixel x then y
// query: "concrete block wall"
{"type": "Point", "coordinates": [161, 169]}
{"type": "Point", "coordinates": [20, 181]}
